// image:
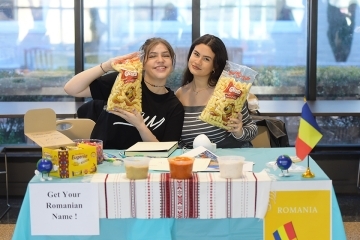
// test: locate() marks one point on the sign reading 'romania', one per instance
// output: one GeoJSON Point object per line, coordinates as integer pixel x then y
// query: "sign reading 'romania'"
{"type": "Point", "coordinates": [298, 215]}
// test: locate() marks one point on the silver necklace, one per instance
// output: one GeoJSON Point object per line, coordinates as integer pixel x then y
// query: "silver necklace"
{"type": "Point", "coordinates": [196, 92]}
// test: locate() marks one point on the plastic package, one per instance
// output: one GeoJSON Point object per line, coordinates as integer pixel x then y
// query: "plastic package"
{"type": "Point", "coordinates": [231, 166]}
{"type": "Point", "coordinates": [181, 167]}
{"type": "Point", "coordinates": [126, 91]}
{"type": "Point", "coordinates": [136, 167]}
{"type": "Point", "coordinates": [94, 142]}
{"type": "Point", "coordinates": [229, 95]}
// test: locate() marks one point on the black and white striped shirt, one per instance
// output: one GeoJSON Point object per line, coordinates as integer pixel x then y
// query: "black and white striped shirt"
{"type": "Point", "coordinates": [193, 127]}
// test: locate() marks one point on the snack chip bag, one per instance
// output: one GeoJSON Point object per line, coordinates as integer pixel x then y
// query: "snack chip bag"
{"type": "Point", "coordinates": [229, 95]}
{"type": "Point", "coordinates": [126, 91]}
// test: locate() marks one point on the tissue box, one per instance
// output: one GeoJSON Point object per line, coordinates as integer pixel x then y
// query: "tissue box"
{"type": "Point", "coordinates": [68, 159]}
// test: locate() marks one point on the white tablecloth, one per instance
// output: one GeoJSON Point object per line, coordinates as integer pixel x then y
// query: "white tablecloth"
{"type": "Point", "coordinates": [205, 196]}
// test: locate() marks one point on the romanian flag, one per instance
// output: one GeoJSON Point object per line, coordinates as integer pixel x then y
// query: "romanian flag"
{"type": "Point", "coordinates": [309, 133]}
{"type": "Point", "coordinates": [285, 232]}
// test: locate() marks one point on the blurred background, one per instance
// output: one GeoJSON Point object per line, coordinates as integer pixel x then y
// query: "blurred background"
{"type": "Point", "coordinates": [43, 43]}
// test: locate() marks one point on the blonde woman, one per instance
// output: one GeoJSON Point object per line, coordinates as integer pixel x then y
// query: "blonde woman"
{"type": "Point", "coordinates": [162, 113]}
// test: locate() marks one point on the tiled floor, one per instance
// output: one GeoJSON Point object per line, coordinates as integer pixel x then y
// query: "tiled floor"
{"type": "Point", "coordinates": [350, 211]}
{"type": "Point", "coordinates": [11, 216]}
{"type": "Point", "coordinates": [349, 207]}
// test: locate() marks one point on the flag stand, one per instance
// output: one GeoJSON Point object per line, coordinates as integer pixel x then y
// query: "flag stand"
{"type": "Point", "coordinates": [308, 173]}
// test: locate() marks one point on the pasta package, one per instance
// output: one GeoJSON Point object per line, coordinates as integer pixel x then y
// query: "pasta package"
{"type": "Point", "coordinates": [126, 91]}
{"type": "Point", "coordinates": [229, 95]}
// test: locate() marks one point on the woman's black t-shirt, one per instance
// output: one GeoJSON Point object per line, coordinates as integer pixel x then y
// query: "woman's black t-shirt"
{"type": "Point", "coordinates": [163, 115]}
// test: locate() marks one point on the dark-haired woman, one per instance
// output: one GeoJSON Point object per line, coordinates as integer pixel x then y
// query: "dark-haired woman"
{"type": "Point", "coordinates": [206, 61]}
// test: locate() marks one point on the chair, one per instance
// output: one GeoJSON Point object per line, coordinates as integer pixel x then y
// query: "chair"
{"type": "Point", "coordinates": [273, 128]}
{"type": "Point", "coordinates": [262, 139]}
{"type": "Point", "coordinates": [91, 109]}
{"type": "Point", "coordinates": [75, 128]}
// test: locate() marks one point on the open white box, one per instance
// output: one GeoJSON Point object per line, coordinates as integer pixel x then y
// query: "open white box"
{"type": "Point", "coordinates": [72, 161]}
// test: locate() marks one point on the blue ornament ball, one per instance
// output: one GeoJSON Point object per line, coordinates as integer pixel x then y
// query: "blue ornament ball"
{"type": "Point", "coordinates": [44, 165]}
{"type": "Point", "coordinates": [284, 162]}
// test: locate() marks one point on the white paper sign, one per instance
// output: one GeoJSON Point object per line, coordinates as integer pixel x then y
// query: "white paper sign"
{"type": "Point", "coordinates": [64, 209]}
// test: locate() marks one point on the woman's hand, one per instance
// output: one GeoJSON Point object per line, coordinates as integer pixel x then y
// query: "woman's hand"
{"type": "Point", "coordinates": [108, 65]}
{"type": "Point", "coordinates": [236, 125]}
{"type": "Point", "coordinates": [134, 117]}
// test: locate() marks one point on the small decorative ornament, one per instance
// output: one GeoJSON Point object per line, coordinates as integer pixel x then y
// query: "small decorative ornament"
{"type": "Point", "coordinates": [284, 163]}
{"type": "Point", "coordinates": [44, 166]}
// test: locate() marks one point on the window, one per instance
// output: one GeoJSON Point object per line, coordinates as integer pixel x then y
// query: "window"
{"type": "Point", "coordinates": [36, 56]}
{"type": "Point", "coordinates": [37, 48]}
{"type": "Point", "coordinates": [270, 37]}
{"type": "Point", "coordinates": [112, 29]}
{"type": "Point", "coordinates": [338, 71]}
{"type": "Point", "coordinates": [338, 54]}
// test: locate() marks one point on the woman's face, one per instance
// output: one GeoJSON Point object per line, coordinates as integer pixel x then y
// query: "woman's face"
{"type": "Point", "coordinates": [201, 61]}
{"type": "Point", "coordinates": [158, 63]}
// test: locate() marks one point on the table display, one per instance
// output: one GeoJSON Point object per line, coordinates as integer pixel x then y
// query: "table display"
{"type": "Point", "coordinates": [225, 226]}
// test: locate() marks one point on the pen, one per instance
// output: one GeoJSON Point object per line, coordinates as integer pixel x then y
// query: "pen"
{"type": "Point", "coordinates": [122, 154]}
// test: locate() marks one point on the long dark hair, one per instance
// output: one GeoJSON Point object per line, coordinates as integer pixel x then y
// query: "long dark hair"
{"type": "Point", "coordinates": [152, 42]}
{"type": "Point", "coordinates": [218, 48]}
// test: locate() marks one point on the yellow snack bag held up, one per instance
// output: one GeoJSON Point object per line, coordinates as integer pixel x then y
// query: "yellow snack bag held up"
{"type": "Point", "coordinates": [126, 91]}
{"type": "Point", "coordinates": [229, 95]}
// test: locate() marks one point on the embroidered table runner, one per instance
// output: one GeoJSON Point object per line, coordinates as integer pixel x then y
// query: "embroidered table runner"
{"type": "Point", "coordinates": [204, 196]}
